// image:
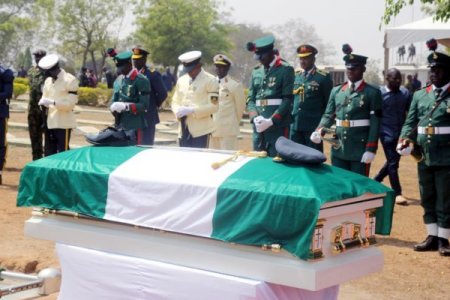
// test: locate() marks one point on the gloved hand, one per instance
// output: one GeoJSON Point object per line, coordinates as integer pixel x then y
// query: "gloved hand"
{"type": "Point", "coordinates": [46, 102]}
{"type": "Point", "coordinates": [316, 137]}
{"type": "Point", "coordinates": [263, 124]}
{"type": "Point", "coordinates": [403, 149]}
{"type": "Point", "coordinates": [257, 119]}
{"type": "Point", "coordinates": [368, 157]}
{"type": "Point", "coordinates": [184, 111]}
{"type": "Point", "coordinates": [119, 107]}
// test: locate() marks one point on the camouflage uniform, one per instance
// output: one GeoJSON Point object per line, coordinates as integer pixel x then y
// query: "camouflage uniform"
{"type": "Point", "coordinates": [35, 113]}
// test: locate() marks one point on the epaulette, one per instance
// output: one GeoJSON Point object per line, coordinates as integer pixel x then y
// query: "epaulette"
{"type": "Point", "coordinates": [342, 83]}
{"type": "Point", "coordinates": [298, 70]}
{"type": "Point", "coordinates": [322, 72]}
{"type": "Point", "coordinates": [257, 66]}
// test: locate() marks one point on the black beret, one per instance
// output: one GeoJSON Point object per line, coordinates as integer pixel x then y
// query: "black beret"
{"type": "Point", "coordinates": [295, 153]}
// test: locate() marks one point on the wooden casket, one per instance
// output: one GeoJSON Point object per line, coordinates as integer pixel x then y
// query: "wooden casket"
{"type": "Point", "coordinates": [306, 227]}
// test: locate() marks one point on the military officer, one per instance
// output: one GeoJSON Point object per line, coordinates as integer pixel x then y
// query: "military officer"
{"type": "Point", "coordinates": [428, 125]}
{"type": "Point", "coordinates": [130, 98]}
{"type": "Point", "coordinates": [59, 96]}
{"type": "Point", "coordinates": [269, 101]}
{"type": "Point", "coordinates": [158, 93]}
{"type": "Point", "coordinates": [195, 99]}
{"type": "Point", "coordinates": [356, 106]}
{"type": "Point", "coordinates": [231, 107]}
{"type": "Point", "coordinates": [36, 115]}
{"type": "Point", "coordinates": [312, 88]}
{"type": "Point", "coordinates": [6, 91]}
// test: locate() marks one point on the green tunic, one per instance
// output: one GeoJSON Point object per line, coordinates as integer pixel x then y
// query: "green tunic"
{"type": "Point", "coordinates": [274, 83]}
{"type": "Point", "coordinates": [134, 89]}
{"type": "Point", "coordinates": [436, 147]}
{"type": "Point", "coordinates": [363, 104]}
{"type": "Point", "coordinates": [311, 94]}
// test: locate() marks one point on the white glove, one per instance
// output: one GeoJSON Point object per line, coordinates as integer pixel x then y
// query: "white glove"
{"type": "Point", "coordinates": [119, 107]}
{"type": "Point", "coordinates": [184, 111]}
{"type": "Point", "coordinates": [257, 119]}
{"type": "Point", "coordinates": [46, 102]}
{"type": "Point", "coordinates": [368, 157]}
{"type": "Point", "coordinates": [402, 150]}
{"type": "Point", "coordinates": [263, 124]}
{"type": "Point", "coordinates": [315, 137]}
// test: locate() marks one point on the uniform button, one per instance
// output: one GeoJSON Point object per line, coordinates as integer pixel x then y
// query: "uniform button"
{"type": "Point", "coordinates": [345, 137]}
{"type": "Point", "coordinates": [429, 141]}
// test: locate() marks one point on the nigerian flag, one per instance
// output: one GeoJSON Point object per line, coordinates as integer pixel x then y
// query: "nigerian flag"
{"type": "Point", "coordinates": [251, 201]}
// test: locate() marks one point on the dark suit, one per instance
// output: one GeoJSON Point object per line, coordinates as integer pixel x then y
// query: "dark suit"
{"type": "Point", "coordinates": [157, 96]}
{"type": "Point", "coordinates": [6, 90]}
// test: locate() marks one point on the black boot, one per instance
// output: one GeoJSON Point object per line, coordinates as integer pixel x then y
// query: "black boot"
{"type": "Point", "coordinates": [444, 247]}
{"type": "Point", "coordinates": [430, 244]}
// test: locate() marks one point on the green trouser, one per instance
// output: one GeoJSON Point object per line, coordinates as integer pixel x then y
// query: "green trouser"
{"type": "Point", "coordinates": [36, 130]}
{"type": "Point", "coordinates": [434, 186]}
{"type": "Point", "coordinates": [351, 165]}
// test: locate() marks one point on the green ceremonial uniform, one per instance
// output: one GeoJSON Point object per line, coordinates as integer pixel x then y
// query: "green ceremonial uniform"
{"type": "Point", "coordinates": [311, 93]}
{"type": "Point", "coordinates": [267, 87]}
{"type": "Point", "coordinates": [35, 114]}
{"type": "Point", "coordinates": [433, 135]}
{"type": "Point", "coordinates": [134, 89]}
{"type": "Point", "coordinates": [357, 117]}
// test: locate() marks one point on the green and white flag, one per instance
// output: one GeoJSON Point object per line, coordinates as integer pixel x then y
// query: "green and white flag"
{"type": "Point", "coordinates": [252, 201]}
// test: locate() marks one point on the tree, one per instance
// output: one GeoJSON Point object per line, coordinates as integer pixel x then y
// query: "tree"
{"type": "Point", "coordinates": [372, 74]}
{"type": "Point", "coordinates": [439, 8]}
{"type": "Point", "coordinates": [15, 25]}
{"type": "Point", "coordinates": [86, 27]}
{"type": "Point", "coordinates": [168, 28]}
{"type": "Point", "coordinates": [295, 32]}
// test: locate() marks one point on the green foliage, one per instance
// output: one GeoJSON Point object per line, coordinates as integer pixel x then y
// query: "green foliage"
{"type": "Point", "coordinates": [440, 9]}
{"type": "Point", "coordinates": [19, 89]}
{"type": "Point", "coordinates": [94, 96]}
{"type": "Point", "coordinates": [169, 28]}
{"type": "Point", "coordinates": [102, 85]}
{"type": "Point", "coordinates": [21, 80]}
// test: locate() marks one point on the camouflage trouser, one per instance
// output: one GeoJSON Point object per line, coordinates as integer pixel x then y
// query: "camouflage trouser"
{"type": "Point", "coordinates": [35, 127]}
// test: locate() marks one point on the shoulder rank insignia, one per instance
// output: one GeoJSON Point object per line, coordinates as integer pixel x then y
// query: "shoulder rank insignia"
{"type": "Point", "coordinates": [298, 70]}
{"type": "Point", "coordinates": [322, 72]}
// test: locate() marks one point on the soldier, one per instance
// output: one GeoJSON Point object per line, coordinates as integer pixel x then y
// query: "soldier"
{"type": "Point", "coordinates": [195, 99]}
{"type": "Point", "coordinates": [59, 96]}
{"type": "Point", "coordinates": [36, 114]}
{"type": "Point", "coordinates": [428, 126]}
{"type": "Point", "coordinates": [269, 101]}
{"type": "Point", "coordinates": [6, 91]}
{"type": "Point", "coordinates": [312, 89]}
{"type": "Point", "coordinates": [158, 94]}
{"type": "Point", "coordinates": [396, 101]}
{"type": "Point", "coordinates": [231, 107]}
{"type": "Point", "coordinates": [130, 98]}
{"type": "Point", "coordinates": [356, 106]}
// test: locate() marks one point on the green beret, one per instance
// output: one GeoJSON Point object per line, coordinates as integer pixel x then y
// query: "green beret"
{"type": "Point", "coordinates": [261, 45]}
{"type": "Point", "coordinates": [123, 58]}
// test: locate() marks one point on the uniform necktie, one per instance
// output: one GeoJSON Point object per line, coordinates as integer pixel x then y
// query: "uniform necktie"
{"type": "Point", "coordinates": [437, 92]}
{"type": "Point", "coordinates": [352, 87]}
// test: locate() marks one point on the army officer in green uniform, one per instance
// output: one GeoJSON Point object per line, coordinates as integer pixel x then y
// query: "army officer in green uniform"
{"type": "Point", "coordinates": [428, 125]}
{"type": "Point", "coordinates": [312, 89]}
{"type": "Point", "coordinates": [130, 97]}
{"type": "Point", "coordinates": [269, 101]}
{"type": "Point", "coordinates": [356, 106]}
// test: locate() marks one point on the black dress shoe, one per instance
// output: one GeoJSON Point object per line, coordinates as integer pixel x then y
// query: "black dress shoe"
{"type": "Point", "coordinates": [430, 244]}
{"type": "Point", "coordinates": [444, 247]}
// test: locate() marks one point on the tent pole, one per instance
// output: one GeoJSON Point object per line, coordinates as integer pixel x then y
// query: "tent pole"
{"type": "Point", "coordinates": [386, 58]}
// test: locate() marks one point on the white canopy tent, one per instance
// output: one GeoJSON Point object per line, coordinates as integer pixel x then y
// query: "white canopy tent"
{"type": "Point", "coordinates": [417, 31]}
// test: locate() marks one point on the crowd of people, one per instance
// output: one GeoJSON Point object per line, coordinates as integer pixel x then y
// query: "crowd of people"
{"type": "Point", "coordinates": [301, 105]}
